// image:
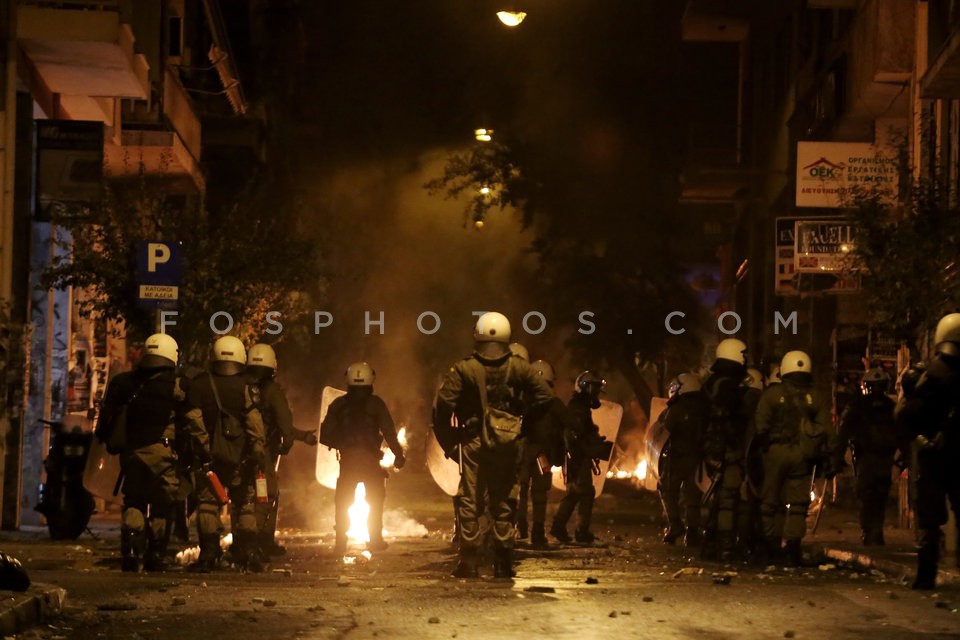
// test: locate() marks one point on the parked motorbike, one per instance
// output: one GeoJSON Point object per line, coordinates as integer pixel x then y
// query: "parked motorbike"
{"type": "Point", "coordinates": [63, 500]}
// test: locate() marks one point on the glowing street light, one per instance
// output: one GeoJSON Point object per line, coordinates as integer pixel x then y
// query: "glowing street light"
{"type": "Point", "coordinates": [511, 18]}
{"type": "Point", "coordinates": [483, 135]}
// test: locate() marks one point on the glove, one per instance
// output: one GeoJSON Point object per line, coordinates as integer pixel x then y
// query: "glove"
{"type": "Point", "coordinates": [202, 458]}
{"type": "Point", "coordinates": [309, 438]}
{"type": "Point", "coordinates": [399, 461]}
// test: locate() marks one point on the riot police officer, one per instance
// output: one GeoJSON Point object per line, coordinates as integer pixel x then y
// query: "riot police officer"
{"type": "Point", "coordinates": [150, 396]}
{"type": "Point", "coordinates": [542, 450]}
{"type": "Point", "coordinates": [684, 420]}
{"type": "Point", "coordinates": [280, 436]}
{"type": "Point", "coordinates": [725, 444]}
{"type": "Point", "coordinates": [584, 446]}
{"type": "Point", "coordinates": [931, 413]}
{"type": "Point", "coordinates": [794, 426]}
{"type": "Point", "coordinates": [488, 393]}
{"type": "Point", "coordinates": [222, 406]}
{"type": "Point", "coordinates": [356, 425]}
{"type": "Point", "coordinates": [867, 426]}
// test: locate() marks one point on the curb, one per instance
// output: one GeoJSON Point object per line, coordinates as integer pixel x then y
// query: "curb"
{"type": "Point", "coordinates": [897, 570]}
{"type": "Point", "coordinates": [20, 611]}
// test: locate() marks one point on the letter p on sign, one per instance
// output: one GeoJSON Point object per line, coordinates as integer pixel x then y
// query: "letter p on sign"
{"type": "Point", "coordinates": [157, 253]}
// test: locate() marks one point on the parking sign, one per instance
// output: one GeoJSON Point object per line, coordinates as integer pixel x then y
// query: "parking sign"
{"type": "Point", "coordinates": [159, 272]}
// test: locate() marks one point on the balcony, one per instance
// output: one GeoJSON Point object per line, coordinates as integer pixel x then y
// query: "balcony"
{"type": "Point", "coordinates": [942, 79]}
{"type": "Point", "coordinates": [163, 146]}
{"type": "Point", "coordinates": [79, 49]}
{"type": "Point", "coordinates": [880, 65]}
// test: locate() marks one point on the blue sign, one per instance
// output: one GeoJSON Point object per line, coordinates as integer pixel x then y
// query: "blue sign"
{"type": "Point", "coordinates": [159, 273]}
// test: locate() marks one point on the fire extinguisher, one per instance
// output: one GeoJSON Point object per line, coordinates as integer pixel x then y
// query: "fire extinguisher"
{"type": "Point", "coordinates": [217, 487]}
{"type": "Point", "coordinates": [261, 484]}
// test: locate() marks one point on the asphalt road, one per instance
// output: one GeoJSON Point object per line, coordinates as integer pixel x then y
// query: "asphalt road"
{"type": "Point", "coordinates": [638, 589]}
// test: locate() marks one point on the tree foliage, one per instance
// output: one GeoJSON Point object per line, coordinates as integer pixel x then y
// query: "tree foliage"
{"type": "Point", "coordinates": [909, 258]}
{"type": "Point", "coordinates": [244, 260]}
{"type": "Point", "coordinates": [599, 252]}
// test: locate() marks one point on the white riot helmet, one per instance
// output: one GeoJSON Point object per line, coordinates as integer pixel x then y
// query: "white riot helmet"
{"type": "Point", "coordinates": [160, 350]}
{"type": "Point", "coordinates": [360, 374]}
{"type": "Point", "coordinates": [520, 351]}
{"type": "Point", "coordinates": [946, 339]}
{"type": "Point", "coordinates": [684, 383]}
{"type": "Point", "coordinates": [229, 356]}
{"type": "Point", "coordinates": [754, 379]}
{"type": "Point", "coordinates": [262, 355]}
{"type": "Point", "coordinates": [795, 362]}
{"type": "Point", "coordinates": [544, 370]}
{"type": "Point", "coordinates": [492, 335]}
{"type": "Point", "coordinates": [733, 350]}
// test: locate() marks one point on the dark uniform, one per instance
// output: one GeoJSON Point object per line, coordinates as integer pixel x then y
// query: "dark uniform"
{"type": "Point", "coordinates": [488, 474]}
{"type": "Point", "coordinates": [786, 469]}
{"type": "Point", "coordinates": [235, 458]}
{"type": "Point", "coordinates": [280, 436]}
{"type": "Point", "coordinates": [545, 436]}
{"type": "Point", "coordinates": [357, 424]}
{"type": "Point", "coordinates": [931, 413]}
{"type": "Point", "coordinates": [725, 444]}
{"type": "Point", "coordinates": [584, 444]}
{"type": "Point", "coordinates": [148, 461]}
{"type": "Point", "coordinates": [684, 420]}
{"type": "Point", "coordinates": [867, 426]}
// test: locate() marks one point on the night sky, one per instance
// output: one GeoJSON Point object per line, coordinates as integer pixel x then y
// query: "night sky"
{"type": "Point", "coordinates": [366, 101]}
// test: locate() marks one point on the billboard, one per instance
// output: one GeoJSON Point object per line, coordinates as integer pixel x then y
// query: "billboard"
{"type": "Point", "coordinates": [789, 279]}
{"type": "Point", "coordinates": [824, 245]}
{"type": "Point", "coordinates": [827, 171]}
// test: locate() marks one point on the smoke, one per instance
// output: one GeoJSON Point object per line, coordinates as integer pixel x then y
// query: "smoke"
{"type": "Point", "coordinates": [393, 249]}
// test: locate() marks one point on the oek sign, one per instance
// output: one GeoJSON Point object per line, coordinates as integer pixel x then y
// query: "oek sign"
{"type": "Point", "coordinates": [159, 273]}
{"type": "Point", "coordinates": [828, 171]}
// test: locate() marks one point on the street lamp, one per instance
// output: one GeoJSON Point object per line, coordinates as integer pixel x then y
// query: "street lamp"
{"type": "Point", "coordinates": [511, 18]}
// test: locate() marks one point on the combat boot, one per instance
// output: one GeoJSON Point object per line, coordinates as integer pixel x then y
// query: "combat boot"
{"type": "Point", "coordinates": [466, 567]}
{"type": "Point", "coordinates": [537, 536]}
{"type": "Point", "coordinates": [928, 556]}
{"type": "Point", "coordinates": [560, 532]}
{"type": "Point", "coordinates": [584, 536]}
{"type": "Point", "coordinates": [503, 564]}
{"type": "Point", "coordinates": [692, 538]}
{"type": "Point", "coordinates": [246, 552]}
{"type": "Point", "coordinates": [725, 546]}
{"type": "Point", "coordinates": [209, 554]}
{"type": "Point", "coordinates": [794, 553]}
{"type": "Point", "coordinates": [131, 550]}
{"type": "Point", "coordinates": [340, 546]}
{"type": "Point", "coordinates": [377, 544]}
{"type": "Point", "coordinates": [270, 547]}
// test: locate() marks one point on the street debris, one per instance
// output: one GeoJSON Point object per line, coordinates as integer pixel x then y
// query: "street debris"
{"type": "Point", "coordinates": [827, 567]}
{"type": "Point", "coordinates": [178, 601]}
{"type": "Point", "coordinates": [721, 579]}
{"type": "Point", "coordinates": [434, 620]}
{"type": "Point", "coordinates": [117, 606]}
{"type": "Point", "coordinates": [540, 590]}
{"type": "Point", "coordinates": [789, 634]}
{"type": "Point", "coordinates": [592, 580]}
{"type": "Point", "coordinates": [612, 614]}
{"type": "Point", "coordinates": [647, 598]}
{"type": "Point", "coordinates": [688, 571]}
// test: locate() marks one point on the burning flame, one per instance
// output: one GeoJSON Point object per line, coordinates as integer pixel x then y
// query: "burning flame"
{"type": "Point", "coordinates": [641, 472]}
{"type": "Point", "coordinates": [388, 458]}
{"type": "Point", "coordinates": [358, 516]}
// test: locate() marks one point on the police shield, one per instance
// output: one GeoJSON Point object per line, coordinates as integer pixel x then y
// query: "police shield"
{"type": "Point", "coordinates": [607, 418]}
{"type": "Point", "coordinates": [101, 473]}
{"type": "Point", "coordinates": [445, 471]}
{"type": "Point", "coordinates": [655, 442]}
{"type": "Point", "coordinates": [328, 466]}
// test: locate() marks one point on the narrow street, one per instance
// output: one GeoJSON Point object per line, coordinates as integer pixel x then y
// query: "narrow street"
{"type": "Point", "coordinates": [630, 585]}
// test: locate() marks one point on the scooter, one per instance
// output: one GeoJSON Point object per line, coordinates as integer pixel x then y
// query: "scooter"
{"type": "Point", "coordinates": [63, 501]}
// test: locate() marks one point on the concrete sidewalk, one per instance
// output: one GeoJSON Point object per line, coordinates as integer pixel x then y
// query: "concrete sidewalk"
{"type": "Point", "coordinates": [838, 538]}
{"type": "Point", "coordinates": [21, 611]}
